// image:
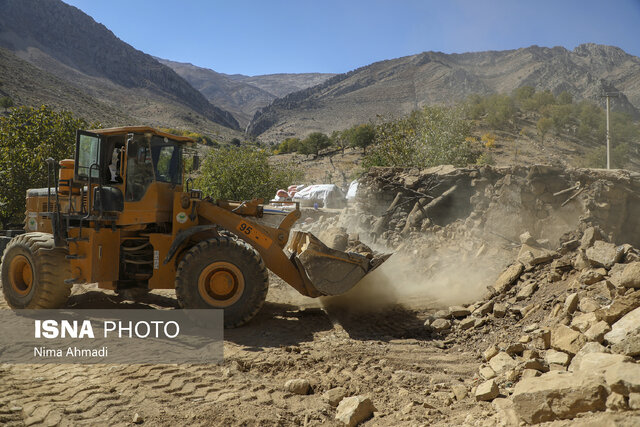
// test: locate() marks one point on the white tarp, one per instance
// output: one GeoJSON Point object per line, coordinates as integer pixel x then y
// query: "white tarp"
{"type": "Point", "coordinates": [330, 195]}
{"type": "Point", "coordinates": [353, 189]}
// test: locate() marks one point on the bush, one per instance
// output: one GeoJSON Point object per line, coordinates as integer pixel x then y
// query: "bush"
{"type": "Point", "coordinates": [6, 102]}
{"type": "Point", "coordinates": [314, 143]}
{"type": "Point", "coordinates": [500, 111]}
{"type": "Point", "coordinates": [597, 158]}
{"type": "Point", "coordinates": [28, 136]}
{"type": "Point", "coordinates": [289, 145]}
{"type": "Point", "coordinates": [244, 173]}
{"type": "Point", "coordinates": [543, 126]}
{"type": "Point", "coordinates": [360, 136]}
{"type": "Point", "coordinates": [428, 137]}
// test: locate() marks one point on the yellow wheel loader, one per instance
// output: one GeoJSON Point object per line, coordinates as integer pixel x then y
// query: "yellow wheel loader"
{"type": "Point", "coordinates": [122, 215]}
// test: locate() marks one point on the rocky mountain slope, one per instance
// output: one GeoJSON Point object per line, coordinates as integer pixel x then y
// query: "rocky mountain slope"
{"type": "Point", "coordinates": [28, 85]}
{"type": "Point", "coordinates": [397, 86]}
{"type": "Point", "coordinates": [69, 44]}
{"type": "Point", "coordinates": [243, 95]}
{"type": "Point", "coordinates": [284, 83]}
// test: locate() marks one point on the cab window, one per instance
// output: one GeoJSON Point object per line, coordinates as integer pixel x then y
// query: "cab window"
{"type": "Point", "coordinates": [139, 168]}
{"type": "Point", "coordinates": [88, 150]}
{"type": "Point", "coordinates": [166, 156]}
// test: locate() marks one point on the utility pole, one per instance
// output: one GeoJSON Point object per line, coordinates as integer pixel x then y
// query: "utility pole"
{"type": "Point", "coordinates": [609, 95]}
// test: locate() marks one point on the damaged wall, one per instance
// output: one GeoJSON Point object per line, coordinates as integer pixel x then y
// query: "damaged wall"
{"type": "Point", "coordinates": [505, 201]}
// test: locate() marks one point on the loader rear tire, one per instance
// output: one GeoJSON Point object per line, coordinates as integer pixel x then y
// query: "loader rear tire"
{"type": "Point", "coordinates": [33, 273]}
{"type": "Point", "coordinates": [226, 274]}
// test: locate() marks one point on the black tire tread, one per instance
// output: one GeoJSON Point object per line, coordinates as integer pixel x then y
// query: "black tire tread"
{"type": "Point", "coordinates": [187, 298]}
{"type": "Point", "coordinates": [51, 269]}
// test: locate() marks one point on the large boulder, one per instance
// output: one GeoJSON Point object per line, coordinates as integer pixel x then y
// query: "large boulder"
{"type": "Point", "coordinates": [629, 346]}
{"type": "Point", "coordinates": [487, 391]}
{"type": "Point", "coordinates": [623, 378]}
{"type": "Point", "coordinates": [590, 347]}
{"type": "Point", "coordinates": [631, 276]}
{"type": "Point", "coordinates": [566, 339]}
{"type": "Point", "coordinates": [502, 362]}
{"type": "Point", "coordinates": [558, 395]}
{"type": "Point", "coordinates": [353, 410]}
{"type": "Point", "coordinates": [629, 324]}
{"type": "Point", "coordinates": [508, 278]}
{"type": "Point", "coordinates": [599, 362]}
{"type": "Point", "coordinates": [603, 254]}
{"type": "Point", "coordinates": [620, 307]}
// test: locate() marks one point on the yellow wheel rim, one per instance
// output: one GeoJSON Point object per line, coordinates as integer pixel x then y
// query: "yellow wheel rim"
{"type": "Point", "coordinates": [221, 284]}
{"type": "Point", "coordinates": [21, 275]}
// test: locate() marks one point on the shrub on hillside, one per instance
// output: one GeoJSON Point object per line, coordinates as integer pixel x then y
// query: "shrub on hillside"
{"type": "Point", "coordinates": [244, 173]}
{"type": "Point", "coordinates": [428, 137]}
{"type": "Point", "coordinates": [28, 136]}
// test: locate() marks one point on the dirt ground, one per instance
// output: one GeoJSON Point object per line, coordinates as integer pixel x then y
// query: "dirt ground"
{"type": "Point", "coordinates": [387, 356]}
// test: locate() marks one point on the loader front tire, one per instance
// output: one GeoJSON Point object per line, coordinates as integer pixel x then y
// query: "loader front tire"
{"type": "Point", "coordinates": [34, 271]}
{"type": "Point", "coordinates": [226, 274]}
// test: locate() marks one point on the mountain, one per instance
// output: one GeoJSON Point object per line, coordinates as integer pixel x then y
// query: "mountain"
{"type": "Point", "coordinates": [28, 85]}
{"type": "Point", "coordinates": [398, 86]}
{"type": "Point", "coordinates": [283, 84]}
{"type": "Point", "coordinates": [243, 95]}
{"type": "Point", "coordinates": [239, 98]}
{"type": "Point", "coordinates": [63, 41]}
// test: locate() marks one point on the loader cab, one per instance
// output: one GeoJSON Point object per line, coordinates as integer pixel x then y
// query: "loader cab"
{"type": "Point", "coordinates": [138, 170]}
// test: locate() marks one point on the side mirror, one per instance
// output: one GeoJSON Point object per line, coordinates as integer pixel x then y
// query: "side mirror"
{"type": "Point", "coordinates": [196, 162]}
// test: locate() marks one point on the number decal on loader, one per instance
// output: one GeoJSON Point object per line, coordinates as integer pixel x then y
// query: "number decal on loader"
{"type": "Point", "coordinates": [255, 235]}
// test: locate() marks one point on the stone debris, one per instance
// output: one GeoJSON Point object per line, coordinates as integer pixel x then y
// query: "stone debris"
{"type": "Point", "coordinates": [557, 357]}
{"type": "Point", "coordinates": [353, 410]}
{"type": "Point", "coordinates": [508, 278]}
{"type": "Point", "coordinates": [558, 395]}
{"type": "Point", "coordinates": [629, 323]}
{"type": "Point", "coordinates": [297, 386]}
{"type": "Point", "coordinates": [137, 419]}
{"type": "Point", "coordinates": [623, 378]}
{"type": "Point", "coordinates": [487, 391]}
{"type": "Point", "coordinates": [571, 303]}
{"type": "Point", "coordinates": [334, 396]}
{"type": "Point", "coordinates": [502, 362]}
{"type": "Point", "coordinates": [597, 331]}
{"type": "Point", "coordinates": [603, 254]}
{"type": "Point", "coordinates": [567, 340]}
{"type": "Point", "coordinates": [560, 325]}
{"type": "Point", "coordinates": [631, 276]}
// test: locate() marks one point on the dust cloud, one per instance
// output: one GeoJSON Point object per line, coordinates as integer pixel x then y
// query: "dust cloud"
{"type": "Point", "coordinates": [405, 279]}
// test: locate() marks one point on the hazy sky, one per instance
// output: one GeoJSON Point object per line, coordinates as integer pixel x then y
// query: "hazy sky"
{"type": "Point", "coordinates": [275, 36]}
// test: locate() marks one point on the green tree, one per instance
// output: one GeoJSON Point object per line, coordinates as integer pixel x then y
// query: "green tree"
{"type": "Point", "coordinates": [6, 102]}
{"type": "Point", "coordinates": [500, 111]}
{"type": "Point", "coordinates": [428, 137]}
{"type": "Point", "coordinates": [289, 145]}
{"type": "Point", "coordinates": [523, 93]}
{"type": "Point", "coordinates": [543, 126]}
{"type": "Point", "coordinates": [475, 106]}
{"type": "Point", "coordinates": [361, 136]}
{"type": "Point", "coordinates": [28, 137]}
{"type": "Point", "coordinates": [244, 173]}
{"type": "Point", "coordinates": [565, 98]}
{"type": "Point", "coordinates": [236, 142]}
{"type": "Point", "coordinates": [314, 143]}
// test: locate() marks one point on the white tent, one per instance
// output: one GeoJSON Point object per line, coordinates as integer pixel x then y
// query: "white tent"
{"type": "Point", "coordinates": [353, 189]}
{"type": "Point", "coordinates": [326, 195]}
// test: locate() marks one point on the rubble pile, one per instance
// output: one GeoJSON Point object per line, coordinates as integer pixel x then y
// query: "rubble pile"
{"type": "Point", "coordinates": [558, 330]}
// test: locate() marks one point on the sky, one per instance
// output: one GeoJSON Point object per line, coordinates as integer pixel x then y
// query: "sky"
{"type": "Point", "coordinates": [332, 36]}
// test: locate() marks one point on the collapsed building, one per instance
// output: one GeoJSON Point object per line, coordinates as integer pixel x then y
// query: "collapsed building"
{"type": "Point", "coordinates": [533, 268]}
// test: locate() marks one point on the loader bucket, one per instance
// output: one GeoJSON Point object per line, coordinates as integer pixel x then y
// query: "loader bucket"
{"type": "Point", "coordinates": [330, 272]}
